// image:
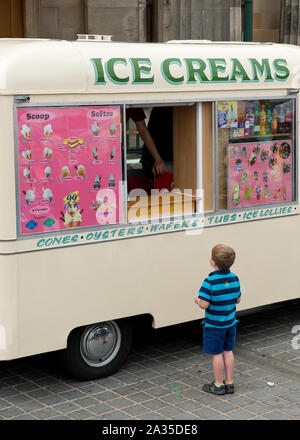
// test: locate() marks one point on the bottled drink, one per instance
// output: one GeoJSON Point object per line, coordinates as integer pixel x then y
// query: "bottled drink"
{"type": "Point", "coordinates": [249, 123]}
{"type": "Point", "coordinates": [281, 119]}
{"type": "Point", "coordinates": [269, 120]}
{"type": "Point", "coordinates": [274, 120]}
{"type": "Point", "coordinates": [256, 121]}
{"type": "Point", "coordinates": [262, 120]}
{"type": "Point", "coordinates": [288, 118]}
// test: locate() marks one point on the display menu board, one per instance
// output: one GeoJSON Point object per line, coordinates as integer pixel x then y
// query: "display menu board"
{"type": "Point", "coordinates": [69, 167]}
{"type": "Point", "coordinates": [260, 173]}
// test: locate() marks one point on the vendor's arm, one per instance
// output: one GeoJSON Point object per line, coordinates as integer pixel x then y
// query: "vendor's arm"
{"type": "Point", "coordinates": [159, 167]}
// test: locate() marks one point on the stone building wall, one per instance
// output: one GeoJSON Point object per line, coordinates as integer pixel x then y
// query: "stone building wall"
{"type": "Point", "coordinates": [126, 20]}
{"type": "Point", "coordinates": [290, 22]}
{"type": "Point", "coordinates": [198, 20]}
{"type": "Point", "coordinates": [266, 20]}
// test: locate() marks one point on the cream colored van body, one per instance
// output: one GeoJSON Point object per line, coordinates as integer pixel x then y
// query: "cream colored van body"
{"type": "Point", "coordinates": [46, 292]}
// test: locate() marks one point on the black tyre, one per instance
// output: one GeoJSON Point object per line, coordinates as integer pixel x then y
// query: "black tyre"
{"type": "Point", "coordinates": [97, 350]}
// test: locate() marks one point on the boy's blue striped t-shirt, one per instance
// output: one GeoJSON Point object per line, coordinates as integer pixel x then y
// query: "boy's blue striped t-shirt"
{"type": "Point", "coordinates": [221, 289]}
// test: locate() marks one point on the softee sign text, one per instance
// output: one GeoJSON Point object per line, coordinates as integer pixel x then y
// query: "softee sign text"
{"type": "Point", "coordinates": [189, 70]}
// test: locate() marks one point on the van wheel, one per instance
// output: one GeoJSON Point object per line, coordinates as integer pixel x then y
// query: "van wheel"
{"type": "Point", "coordinates": [97, 350]}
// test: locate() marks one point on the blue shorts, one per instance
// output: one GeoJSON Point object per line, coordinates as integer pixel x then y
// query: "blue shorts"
{"type": "Point", "coordinates": [217, 340]}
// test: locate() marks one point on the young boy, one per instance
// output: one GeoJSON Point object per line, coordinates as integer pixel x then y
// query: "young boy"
{"type": "Point", "coordinates": [218, 296]}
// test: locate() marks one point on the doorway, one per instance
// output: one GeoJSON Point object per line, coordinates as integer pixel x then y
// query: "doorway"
{"type": "Point", "coordinates": [12, 19]}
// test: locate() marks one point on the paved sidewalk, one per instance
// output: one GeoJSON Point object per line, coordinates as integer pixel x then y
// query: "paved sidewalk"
{"type": "Point", "coordinates": [34, 388]}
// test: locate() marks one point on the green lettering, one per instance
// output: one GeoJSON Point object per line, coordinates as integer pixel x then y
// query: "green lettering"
{"type": "Point", "coordinates": [195, 71]}
{"type": "Point", "coordinates": [110, 70]}
{"type": "Point", "coordinates": [238, 70]}
{"type": "Point", "coordinates": [280, 67]}
{"type": "Point", "coordinates": [98, 68]}
{"type": "Point", "coordinates": [57, 240]}
{"type": "Point", "coordinates": [216, 68]}
{"type": "Point", "coordinates": [97, 235]}
{"type": "Point", "coordinates": [139, 69]}
{"type": "Point", "coordinates": [261, 69]}
{"type": "Point", "coordinates": [166, 70]}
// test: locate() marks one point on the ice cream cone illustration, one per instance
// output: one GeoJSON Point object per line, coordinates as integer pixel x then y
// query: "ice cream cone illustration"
{"type": "Point", "coordinates": [47, 194]}
{"type": "Point", "coordinates": [95, 128]}
{"type": "Point", "coordinates": [97, 182]}
{"type": "Point", "coordinates": [111, 181]}
{"type": "Point", "coordinates": [113, 129]}
{"type": "Point", "coordinates": [113, 152]}
{"type": "Point", "coordinates": [65, 172]}
{"type": "Point", "coordinates": [27, 173]}
{"type": "Point", "coordinates": [48, 153]}
{"type": "Point", "coordinates": [25, 131]}
{"type": "Point", "coordinates": [48, 130]}
{"type": "Point", "coordinates": [29, 195]}
{"type": "Point", "coordinates": [95, 153]}
{"type": "Point", "coordinates": [80, 171]}
{"type": "Point", "coordinates": [27, 154]}
{"type": "Point", "coordinates": [47, 172]}
{"type": "Point", "coordinates": [72, 218]}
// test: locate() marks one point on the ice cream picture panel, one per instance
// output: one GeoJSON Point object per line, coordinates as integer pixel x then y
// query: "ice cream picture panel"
{"type": "Point", "coordinates": [260, 173]}
{"type": "Point", "coordinates": [69, 168]}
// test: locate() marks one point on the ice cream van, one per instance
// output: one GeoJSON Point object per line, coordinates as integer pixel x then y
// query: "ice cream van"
{"type": "Point", "coordinates": [82, 251]}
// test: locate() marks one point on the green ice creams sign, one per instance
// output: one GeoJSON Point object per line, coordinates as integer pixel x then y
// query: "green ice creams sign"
{"type": "Point", "coordinates": [178, 71]}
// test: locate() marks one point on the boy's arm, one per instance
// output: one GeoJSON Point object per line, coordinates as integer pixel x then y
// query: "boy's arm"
{"type": "Point", "coordinates": [240, 293]}
{"type": "Point", "coordinates": [204, 295]}
{"type": "Point", "coordinates": [202, 303]}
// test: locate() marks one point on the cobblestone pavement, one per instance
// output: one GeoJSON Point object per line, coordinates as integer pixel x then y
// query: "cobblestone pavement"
{"type": "Point", "coordinates": [35, 388]}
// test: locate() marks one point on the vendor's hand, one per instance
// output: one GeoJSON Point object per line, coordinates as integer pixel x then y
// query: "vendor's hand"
{"type": "Point", "coordinates": [159, 168]}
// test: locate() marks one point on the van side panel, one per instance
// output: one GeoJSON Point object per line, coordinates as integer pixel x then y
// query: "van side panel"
{"type": "Point", "coordinates": [9, 303]}
{"type": "Point", "coordinates": [64, 288]}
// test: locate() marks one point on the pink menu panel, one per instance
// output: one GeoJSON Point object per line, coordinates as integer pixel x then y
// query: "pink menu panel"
{"type": "Point", "coordinates": [70, 168]}
{"type": "Point", "coordinates": [260, 173]}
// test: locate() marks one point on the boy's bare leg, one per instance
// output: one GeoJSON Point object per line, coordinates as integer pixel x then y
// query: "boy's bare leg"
{"type": "Point", "coordinates": [229, 365]}
{"type": "Point", "coordinates": [218, 366]}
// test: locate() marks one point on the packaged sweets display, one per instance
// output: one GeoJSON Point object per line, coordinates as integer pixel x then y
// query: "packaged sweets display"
{"type": "Point", "coordinates": [259, 173]}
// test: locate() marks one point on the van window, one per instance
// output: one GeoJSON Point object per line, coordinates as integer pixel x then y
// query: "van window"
{"type": "Point", "coordinates": [255, 152]}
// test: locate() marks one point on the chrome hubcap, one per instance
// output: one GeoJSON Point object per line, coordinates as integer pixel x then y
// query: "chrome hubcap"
{"type": "Point", "coordinates": [100, 343]}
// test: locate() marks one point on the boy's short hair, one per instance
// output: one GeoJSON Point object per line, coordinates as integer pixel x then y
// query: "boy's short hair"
{"type": "Point", "coordinates": [223, 256]}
